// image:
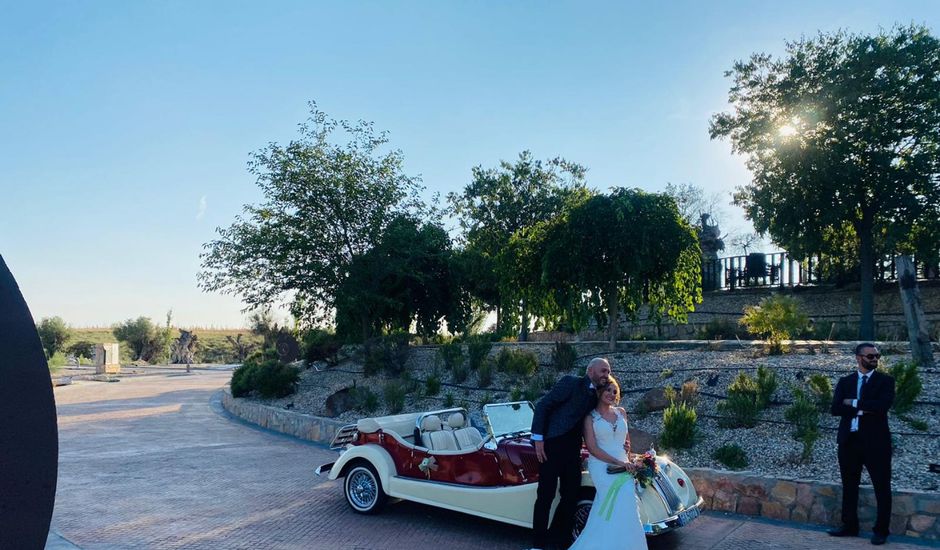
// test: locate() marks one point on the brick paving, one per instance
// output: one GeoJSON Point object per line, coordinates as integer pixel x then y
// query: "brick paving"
{"type": "Point", "coordinates": [152, 462]}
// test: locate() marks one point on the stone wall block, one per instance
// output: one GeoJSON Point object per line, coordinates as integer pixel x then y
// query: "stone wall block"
{"type": "Point", "coordinates": [784, 492]}
{"type": "Point", "coordinates": [724, 501]}
{"type": "Point", "coordinates": [749, 506]}
{"type": "Point", "coordinates": [775, 510]}
{"type": "Point", "coordinates": [921, 523]}
{"type": "Point", "coordinates": [903, 504]}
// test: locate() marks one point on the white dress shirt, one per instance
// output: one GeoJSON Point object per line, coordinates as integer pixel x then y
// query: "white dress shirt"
{"type": "Point", "coordinates": [858, 392]}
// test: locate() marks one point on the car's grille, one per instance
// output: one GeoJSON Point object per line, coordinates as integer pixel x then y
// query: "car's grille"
{"type": "Point", "coordinates": [346, 435]}
{"type": "Point", "coordinates": [673, 503]}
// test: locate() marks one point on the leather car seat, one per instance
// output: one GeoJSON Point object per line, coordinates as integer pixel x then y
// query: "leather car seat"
{"type": "Point", "coordinates": [434, 437]}
{"type": "Point", "coordinates": [467, 437]}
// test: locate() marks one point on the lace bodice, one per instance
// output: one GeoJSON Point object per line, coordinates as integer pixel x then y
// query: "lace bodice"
{"type": "Point", "coordinates": [610, 436]}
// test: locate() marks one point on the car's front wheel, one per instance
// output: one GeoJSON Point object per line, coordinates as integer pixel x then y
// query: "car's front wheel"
{"type": "Point", "coordinates": [363, 489]}
{"type": "Point", "coordinates": [581, 512]}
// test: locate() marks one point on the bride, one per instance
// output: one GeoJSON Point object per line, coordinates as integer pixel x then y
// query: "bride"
{"type": "Point", "coordinates": [614, 521]}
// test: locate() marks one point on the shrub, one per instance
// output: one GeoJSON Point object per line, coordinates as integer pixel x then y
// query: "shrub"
{"type": "Point", "coordinates": [563, 356]}
{"type": "Point", "coordinates": [394, 393]}
{"type": "Point", "coordinates": [432, 386]}
{"type": "Point", "coordinates": [820, 387]}
{"type": "Point", "coordinates": [804, 414]}
{"type": "Point", "coordinates": [448, 400]}
{"type": "Point", "coordinates": [452, 355]}
{"type": "Point", "coordinates": [731, 456]}
{"type": "Point", "coordinates": [720, 329]}
{"type": "Point", "coordinates": [82, 348]}
{"type": "Point", "coordinates": [320, 345]}
{"type": "Point", "coordinates": [478, 348]}
{"type": "Point", "coordinates": [667, 373]}
{"type": "Point", "coordinates": [515, 394]}
{"type": "Point", "coordinates": [56, 362]}
{"type": "Point", "coordinates": [741, 406]}
{"type": "Point", "coordinates": [915, 423]}
{"type": "Point", "coordinates": [518, 363]}
{"type": "Point", "coordinates": [53, 334]}
{"type": "Point", "coordinates": [766, 386]}
{"type": "Point", "coordinates": [366, 400]}
{"type": "Point", "coordinates": [459, 374]}
{"type": "Point", "coordinates": [775, 319]}
{"type": "Point", "coordinates": [689, 393]}
{"type": "Point", "coordinates": [907, 386]}
{"type": "Point", "coordinates": [386, 354]}
{"type": "Point", "coordinates": [678, 426]}
{"type": "Point", "coordinates": [264, 373]}
{"type": "Point", "coordinates": [485, 374]}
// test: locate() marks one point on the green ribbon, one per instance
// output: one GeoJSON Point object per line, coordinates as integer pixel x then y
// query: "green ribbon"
{"type": "Point", "coordinates": [607, 507]}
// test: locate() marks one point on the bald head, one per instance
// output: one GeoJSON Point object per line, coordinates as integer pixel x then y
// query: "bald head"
{"type": "Point", "coordinates": [598, 370]}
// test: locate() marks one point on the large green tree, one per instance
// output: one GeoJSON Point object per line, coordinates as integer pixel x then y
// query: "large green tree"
{"type": "Point", "coordinates": [328, 196]}
{"type": "Point", "coordinates": [53, 333]}
{"type": "Point", "coordinates": [498, 203]}
{"type": "Point", "coordinates": [611, 254]}
{"type": "Point", "coordinates": [842, 135]}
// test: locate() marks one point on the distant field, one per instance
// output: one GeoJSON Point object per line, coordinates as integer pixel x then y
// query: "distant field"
{"type": "Point", "coordinates": [213, 347]}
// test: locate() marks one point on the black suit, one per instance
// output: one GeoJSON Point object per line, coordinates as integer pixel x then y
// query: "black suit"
{"type": "Point", "coordinates": [559, 419]}
{"type": "Point", "coordinates": [870, 446]}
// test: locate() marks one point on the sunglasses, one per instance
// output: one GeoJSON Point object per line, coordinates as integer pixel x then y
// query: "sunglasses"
{"type": "Point", "coordinates": [871, 356]}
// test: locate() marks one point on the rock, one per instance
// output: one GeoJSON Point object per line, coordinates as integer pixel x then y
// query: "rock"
{"type": "Point", "coordinates": [340, 402]}
{"type": "Point", "coordinates": [640, 440]}
{"type": "Point", "coordinates": [654, 400]}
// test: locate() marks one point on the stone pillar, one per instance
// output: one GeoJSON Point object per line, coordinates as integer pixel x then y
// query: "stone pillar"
{"type": "Point", "coordinates": [709, 240]}
{"type": "Point", "coordinates": [107, 359]}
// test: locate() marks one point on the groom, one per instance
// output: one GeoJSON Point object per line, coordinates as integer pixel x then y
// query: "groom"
{"type": "Point", "coordinates": [556, 435]}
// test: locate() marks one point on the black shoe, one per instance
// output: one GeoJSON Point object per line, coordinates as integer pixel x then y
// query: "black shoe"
{"type": "Point", "coordinates": [843, 532]}
{"type": "Point", "coordinates": [878, 540]}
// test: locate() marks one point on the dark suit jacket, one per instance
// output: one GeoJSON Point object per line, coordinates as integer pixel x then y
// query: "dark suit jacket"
{"type": "Point", "coordinates": [877, 398]}
{"type": "Point", "coordinates": [564, 407]}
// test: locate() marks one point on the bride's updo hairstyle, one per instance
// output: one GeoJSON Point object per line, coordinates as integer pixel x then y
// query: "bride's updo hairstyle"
{"type": "Point", "coordinates": [611, 381]}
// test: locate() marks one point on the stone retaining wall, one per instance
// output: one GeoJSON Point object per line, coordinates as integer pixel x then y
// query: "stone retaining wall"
{"type": "Point", "coordinates": [914, 513]}
{"type": "Point", "coordinates": [303, 426]}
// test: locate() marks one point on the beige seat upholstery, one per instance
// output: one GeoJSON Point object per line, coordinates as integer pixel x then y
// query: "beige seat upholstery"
{"type": "Point", "coordinates": [434, 437]}
{"type": "Point", "coordinates": [467, 437]}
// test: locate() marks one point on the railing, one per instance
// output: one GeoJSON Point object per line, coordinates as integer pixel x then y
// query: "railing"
{"type": "Point", "coordinates": [778, 269]}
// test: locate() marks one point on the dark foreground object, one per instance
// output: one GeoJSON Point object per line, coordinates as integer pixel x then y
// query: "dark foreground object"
{"type": "Point", "coordinates": [29, 445]}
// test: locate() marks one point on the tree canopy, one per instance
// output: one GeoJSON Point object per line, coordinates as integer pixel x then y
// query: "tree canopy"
{"type": "Point", "coordinates": [325, 203]}
{"type": "Point", "coordinates": [842, 136]}
{"type": "Point", "coordinates": [53, 333]}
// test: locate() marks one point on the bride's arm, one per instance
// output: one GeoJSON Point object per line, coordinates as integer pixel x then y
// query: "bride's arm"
{"type": "Point", "coordinates": [626, 442]}
{"type": "Point", "coordinates": [590, 441]}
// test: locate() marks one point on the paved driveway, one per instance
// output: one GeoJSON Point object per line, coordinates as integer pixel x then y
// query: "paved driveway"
{"type": "Point", "coordinates": [153, 462]}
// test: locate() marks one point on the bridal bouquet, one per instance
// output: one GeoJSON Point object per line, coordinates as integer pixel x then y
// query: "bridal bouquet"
{"type": "Point", "coordinates": [646, 468]}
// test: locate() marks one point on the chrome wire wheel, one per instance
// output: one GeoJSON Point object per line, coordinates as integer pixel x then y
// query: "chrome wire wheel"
{"type": "Point", "coordinates": [581, 513]}
{"type": "Point", "coordinates": [364, 490]}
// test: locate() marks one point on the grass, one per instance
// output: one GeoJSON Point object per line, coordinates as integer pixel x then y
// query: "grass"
{"type": "Point", "coordinates": [213, 346]}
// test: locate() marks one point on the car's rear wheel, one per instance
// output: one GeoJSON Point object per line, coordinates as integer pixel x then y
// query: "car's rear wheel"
{"type": "Point", "coordinates": [363, 489]}
{"type": "Point", "coordinates": [581, 512]}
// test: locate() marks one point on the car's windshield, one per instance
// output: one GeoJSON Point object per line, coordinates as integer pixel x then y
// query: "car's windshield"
{"type": "Point", "coordinates": [508, 418]}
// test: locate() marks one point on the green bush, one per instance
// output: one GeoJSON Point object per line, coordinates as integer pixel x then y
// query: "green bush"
{"type": "Point", "coordinates": [667, 373]}
{"type": "Point", "coordinates": [515, 394]}
{"type": "Point", "coordinates": [563, 356]}
{"type": "Point", "coordinates": [319, 345]}
{"type": "Point", "coordinates": [394, 393]}
{"type": "Point", "coordinates": [485, 374]}
{"type": "Point", "coordinates": [741, 406]}
{"type": "Point", "coordinates": [366, 400]}
{"type": "Point", "coordinates": [82, 348]}
{"type": "Point", "coordinates": [518, 363]}
{"type": "Point", "coordinates": [56, 362]}
{"type": "Point", "coordinates": [448, 400]}
{"type": "Point", "coordinates": [775, 319]}
{"type": "Point", "coordinates": [53, 334]}
{"type": "Point", "coordinates": [451, 354]}
{"type": "Point", "coordinates": [265, 374]}
{"type": "Point", "coordinates": [432, 386]}
{"type": "Point", "coordinates": [907, 386]}
{"type": "Point", "coordinates": [731, 456]}
{"type": "Point", "coordinates": [386, 354]}
{"type": "Point", "coordinates": [766, 386]}
{"type": "Point", "coordinates": [720, 329]}
{"type": "Point", "coordinates": [478, 348]}
{"type": "Point", "coordinates": [679, 425]}
{"type": "Point", "coordinates": [820, 387]}
{"type": "Point", "coordinates": [915, 423]}
{"type": "Point", "coordinates": [804, 414]}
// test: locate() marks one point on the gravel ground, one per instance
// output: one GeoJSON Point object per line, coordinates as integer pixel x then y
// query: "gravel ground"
{"type": "Point", "coordinates": [769, 446]}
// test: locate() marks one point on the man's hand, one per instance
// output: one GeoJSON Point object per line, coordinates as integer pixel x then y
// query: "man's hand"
{"type": "Point", "coordinates": [539, 450]}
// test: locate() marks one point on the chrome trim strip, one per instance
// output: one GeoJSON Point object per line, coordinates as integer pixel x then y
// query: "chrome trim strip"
{"type": "Point", "coordinates": [670, 523]}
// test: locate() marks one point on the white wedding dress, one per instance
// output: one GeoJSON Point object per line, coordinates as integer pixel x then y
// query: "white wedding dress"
{"type": "Point", "coordinates": [614, 522]}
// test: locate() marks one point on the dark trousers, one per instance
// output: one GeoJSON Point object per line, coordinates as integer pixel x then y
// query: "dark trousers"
{"type": "Point", "coordinates": [562, 464]}
{"type": "Point", "coordinates": [854, 453]}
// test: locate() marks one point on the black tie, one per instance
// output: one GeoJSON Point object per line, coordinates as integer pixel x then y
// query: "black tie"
{"type": "Point", "coordinates": [862, 388]}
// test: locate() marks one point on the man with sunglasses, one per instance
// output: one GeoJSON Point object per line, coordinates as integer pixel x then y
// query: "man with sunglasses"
{"type": "Point", "coordinates": [862, 400]}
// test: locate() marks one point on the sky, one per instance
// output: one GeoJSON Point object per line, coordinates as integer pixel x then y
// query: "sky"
{"type": "Point", "coordinates": [125, 127]}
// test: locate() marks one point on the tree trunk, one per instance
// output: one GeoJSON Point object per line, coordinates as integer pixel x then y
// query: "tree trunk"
{"type": "Point", "coordinates": [917, 329]}
{"type": "Point", "coordinates": [499, 319]}
{"type": "Point", "coordinates": [866, 255]}
{"type": "Point", "coordinates": [613, 320]}
{"type": "Point", "coordinates": [524, 328]}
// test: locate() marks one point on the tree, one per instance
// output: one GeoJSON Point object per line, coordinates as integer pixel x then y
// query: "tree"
{"type": "Point", "coordinates": [408, 277]}
{"type": "Point", "coordinates": [324, 204]}
{"type": "Point", "coordinates": [613, 253]}
{"type": "Point", "coordinates": [53, 333]}
{"type": "Point", "coordinates": [692, 202]}
{"type": "Point", "coordinates": [498, 203]}
{"type": "Point", "coordinates": [140, 335]}
{"type": "Point", "coordinates": [844, 130]}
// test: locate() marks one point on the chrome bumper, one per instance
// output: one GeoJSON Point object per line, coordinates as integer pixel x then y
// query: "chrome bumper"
{"type": "Point", "coordinates": [681, 519]}
{"type": "Point", "coordinates": [324, 470]}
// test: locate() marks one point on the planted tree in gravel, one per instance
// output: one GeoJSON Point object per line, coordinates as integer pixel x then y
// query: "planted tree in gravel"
{"type": "Point", "coordinates": [775, 319]}
{"type": "Point", "coordinates": [742, 406]}
{"type": "Point", "coordinates": [805, 416]}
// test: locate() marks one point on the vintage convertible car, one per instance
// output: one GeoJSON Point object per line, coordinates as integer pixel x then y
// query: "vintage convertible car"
{"type": "Point", "coordinates": [437, 458]}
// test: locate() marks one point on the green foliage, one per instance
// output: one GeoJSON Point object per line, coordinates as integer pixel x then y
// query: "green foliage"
{"type": "Point", "coordinates": [82, 349]}
{"type": "Point", "coordinates": [318, 344]}
{"type": "Point", "coordinates": [741, 407]}
{"type": "Point", "coordinates": [448, 400]}
{"type": "Point", "coordinates": [915, 423]}
{"type": "Point", "coordinates": [385, 354]}
{"type": "Point", "coordinates": [907, 386]}
{"type": "Point", "coordinates": [721, 329]}
{"type": "Point", "coordinates": [432, 385]}
{"type": "Point", "coordinates": [53, 334]}
{"type": "Point", "coordinates": [56, 362]}
{"type": "Point", "coordinates": [812, 125]}
{"type": "Point", "coordinates": [666, 373]}
{"type": "Point", "coordinates": [324, 204]}
{"type": "Point", "coordinates": [485, 374]}
{"type": "Point", "coordinates": [563, 356]}
{"type": "Point", "coordinates": [451, 355]}
{"type": "Point", "coordinates": [679, 426]}
{"type": "Point", "coordinates": [241, 348]}
{"type": "Point", "coordinates": [731, 456]}
{"type": "Point", "coordinates": [394, 392]}
{"type": "Point", "coordinates": [766, 386]}
{"type": "Point", "coordinates": [478, 349]}
{"type": "Point", "coordinates": [820, 388]}
{"type": "Point", "coordinates": [515, 393]}
{"type": "Point", "coordinates": [517, 362]}
{"type": "Point", "coordinates": [366, 400]}
{"type": "Point", "coordinates": [265, 374]}
{"type": "Point", "coordinates": [805, 415]}
{"type": "Point", "coordinates": [775, 319]}
{"type": "Point", "coordinates": [146, 340]}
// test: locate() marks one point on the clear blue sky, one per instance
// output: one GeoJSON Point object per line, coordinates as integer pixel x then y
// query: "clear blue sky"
{"type": "Point", "coordinates": [125, 126]}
